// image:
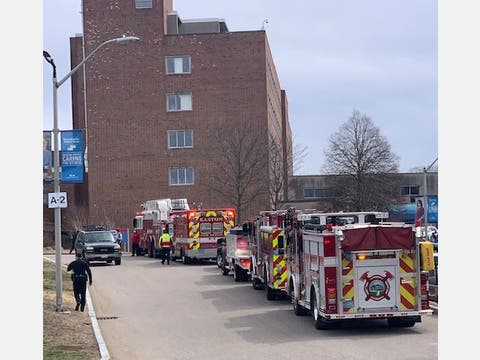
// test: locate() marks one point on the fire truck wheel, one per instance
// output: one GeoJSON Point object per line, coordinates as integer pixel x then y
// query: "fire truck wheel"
{"type": "Point", "coordinates": [319, 322]}
{"type": "Point", "coordinates": [268, 290]}
{"type": "Point", "coordinates": [185, 260]}
{"type": "Point", "coordinates": [219, 260]}
{"type": "Point", "coordinates": [238, 274]}
{"type": "Point", "coordinates": [151, 251]}
{"type": "Point", "coordinates": [298, 309]}
{"type": "Point", "coordinates": [257, 284]}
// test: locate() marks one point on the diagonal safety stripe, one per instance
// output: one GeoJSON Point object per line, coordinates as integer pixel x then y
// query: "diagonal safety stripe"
{"type": "Point", "coordinates": [347, 267]}
{"type": "Point", "coordinates": [348, 293]}
{"type": "Point", "coordinates": [277, 259]}
{"type": "Point", "coordinates": [407, 293]}
{"type": "Point", "coordinates": [407, 263]}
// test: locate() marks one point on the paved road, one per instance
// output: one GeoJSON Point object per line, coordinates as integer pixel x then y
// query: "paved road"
{"type": "Point", "coordinates": [147, 310]}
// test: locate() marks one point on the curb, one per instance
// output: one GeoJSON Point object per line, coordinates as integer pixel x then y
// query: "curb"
{"type": "Point", "coordinates": [93, 317]}
{"type": "Point", "coordinates": [102, 347]}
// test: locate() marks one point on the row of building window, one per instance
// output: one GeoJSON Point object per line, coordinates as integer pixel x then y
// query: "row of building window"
{"type": "Point", "coordinates": [179, 138]}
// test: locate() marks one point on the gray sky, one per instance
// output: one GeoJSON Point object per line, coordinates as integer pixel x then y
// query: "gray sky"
{"type": "Point", "coordinates": [375, 56]}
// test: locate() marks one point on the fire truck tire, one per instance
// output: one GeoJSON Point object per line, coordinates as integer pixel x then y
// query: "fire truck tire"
{"type": "Point", "coordinates": [269, 292]}
{"type": "Point", "coordinates": [298, 309]}
{"type": "Point", "coordinates": [185, 260]}
{"type": "Point", "coordinates": [256, 283]}
{"type": "Point", "coordinates": [320, 324]}
{"type": "Point", "coordinates": [238, 274]}
{"type": "Point", "coordinates": [219, 260]}
{"type": "Point", "coordinates": [151, 250]}
{"type": "Point", "coordinates": [400, 322]}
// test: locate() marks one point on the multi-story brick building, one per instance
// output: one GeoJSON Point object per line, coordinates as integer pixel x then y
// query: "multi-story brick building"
{"type": "Point", "coordinates": [160, 110]}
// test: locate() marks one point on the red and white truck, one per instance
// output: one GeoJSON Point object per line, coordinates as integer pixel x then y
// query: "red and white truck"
{"type": "Point", "coordinates": [359, 271]}
{"type": "Point", "coordinates": [197, 231]}
{"type": "Point", "coordinates": [269, 257]}
{"type": "Point", "coordinates": [156, 216]}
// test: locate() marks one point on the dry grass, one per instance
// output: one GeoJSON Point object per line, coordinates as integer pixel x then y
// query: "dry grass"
{"type": "Point", "coordinates": [65, 335]}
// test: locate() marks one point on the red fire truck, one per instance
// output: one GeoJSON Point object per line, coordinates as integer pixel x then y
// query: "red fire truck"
{"type": "Point", "coordinates": [153, 219]}
{"type": "Point", "coordinates": [269, 262]}
{"type": "Point", "coordinates": [197, 231]}
{"type": "Point", "coordinates": [359, 271]}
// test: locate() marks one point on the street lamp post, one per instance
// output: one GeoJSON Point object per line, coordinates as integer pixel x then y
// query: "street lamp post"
{"type": "Point", "coordinates": [425, 195]}
{"type": "Point", "coordinates": [56, 158]}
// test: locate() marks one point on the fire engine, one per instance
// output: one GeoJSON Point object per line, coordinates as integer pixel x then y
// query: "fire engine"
{"type": "Point", "coordinates": [359, 271]}
{"type": "Point", "coordinates": [153, 219]}
{"type": "Point", "coordinates": [235, 254]}
{"type": "Point", "coordinates": [269, 263]}
{"type": "Point", "coordinates": [197, 231]}
{"type": "Point", "coordinates": [269, 256]}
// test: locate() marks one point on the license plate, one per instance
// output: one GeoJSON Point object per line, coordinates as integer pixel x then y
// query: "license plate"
{"type": "Point", "coordinates": [104, 256]}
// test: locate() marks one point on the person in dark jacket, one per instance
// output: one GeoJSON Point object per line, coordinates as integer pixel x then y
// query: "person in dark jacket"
{"type": "Point", "coordinates": [74, 238]}
{"type": "Point", "coordinates": [81, 274]}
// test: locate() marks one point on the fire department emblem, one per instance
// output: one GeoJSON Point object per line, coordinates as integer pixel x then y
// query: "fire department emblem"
{"type": "Point", "coordinates": [377, 287]}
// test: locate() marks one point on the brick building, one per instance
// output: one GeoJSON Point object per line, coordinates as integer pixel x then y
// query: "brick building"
{"type": "Point", "coordinates": [160, 110]}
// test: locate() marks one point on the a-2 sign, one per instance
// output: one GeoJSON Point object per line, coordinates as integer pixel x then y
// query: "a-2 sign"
{"type": "Point", "coordinates": [57, 200]}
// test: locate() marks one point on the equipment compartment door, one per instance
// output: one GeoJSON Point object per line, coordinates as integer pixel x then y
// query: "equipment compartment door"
{"type": "Point", "coordinates": [376, 285]}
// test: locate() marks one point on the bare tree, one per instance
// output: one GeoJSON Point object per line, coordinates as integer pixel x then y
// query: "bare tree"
{"type": "Point", "coordinates": [282, 165]}
{"type": "Point", "coordinates": [241, 174]}
{"type": "Point", "coordinates": [77, 218]}
{"type": "Point", "coordinates": [359, 153]}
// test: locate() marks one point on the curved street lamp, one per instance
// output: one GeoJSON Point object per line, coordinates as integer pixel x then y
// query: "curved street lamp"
{"type": "Point", "coordinates": [56, 156]}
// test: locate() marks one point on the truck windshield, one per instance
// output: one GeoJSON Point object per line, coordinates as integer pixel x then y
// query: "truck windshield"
{"type": "Point", "coordinates": [99, 236]}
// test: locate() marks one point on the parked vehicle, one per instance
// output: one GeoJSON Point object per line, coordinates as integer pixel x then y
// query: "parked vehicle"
{"type": "Point", "coordinates": [155, 217]}
{"type": "Point", "coordinates": [360, 271]}
{"type": "Point", "coordinates": [236, 253]}
{"type": "Point", "coordinates": [98, 245]}
{"type": "Point", "coordinates": [196, 232]}
{"type": "Point", "coordinates": [269, 257]}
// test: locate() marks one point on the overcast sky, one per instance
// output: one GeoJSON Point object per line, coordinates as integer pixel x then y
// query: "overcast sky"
{"type": "Point", "coordinates": [378, 57]}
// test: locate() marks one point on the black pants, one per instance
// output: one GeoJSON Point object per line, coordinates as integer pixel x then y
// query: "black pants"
{"type": "Point", "coordinates": [135, 250]}
{"type": "Point", "coordinates": [80, 291]}
{"type": "Point", "coordinates": [165, 255]}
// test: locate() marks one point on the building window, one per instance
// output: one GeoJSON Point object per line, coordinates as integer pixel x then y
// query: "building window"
{"type": "Point", "coordinates": [410, 190]}
{"type": "Point", "coordinates": [180, 139]}
{"type": "Point", "coordinates": [143, 4]}
{"type": "Point", "coordinates": [181, 176]}
{"type": "Point", "coordinates": [177, 64]}
{"type": "Point", "coordinates": [179, 102]}
{"type": "Point", "coordinates": [316, 193]}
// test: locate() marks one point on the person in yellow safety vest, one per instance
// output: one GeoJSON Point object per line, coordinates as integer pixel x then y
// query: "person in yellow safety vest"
{"type": "Point", "coordinates": [165, 245]}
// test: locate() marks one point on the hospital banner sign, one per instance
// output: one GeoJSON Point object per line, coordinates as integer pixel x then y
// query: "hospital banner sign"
{"type": "Point", "coordinates": [72, 156]}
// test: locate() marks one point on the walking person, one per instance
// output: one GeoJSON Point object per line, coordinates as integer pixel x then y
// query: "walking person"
{"type": "Point", "coordinates": [74, 238]}
{"type": "Point", "coordinates": [81, 274]}
{"type": "Point", "coordinates": [166, 246]}
{"type": "Point", "coordinates": [135, 243]}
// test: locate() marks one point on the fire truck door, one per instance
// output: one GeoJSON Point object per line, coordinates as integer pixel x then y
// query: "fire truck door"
{"type": "Point", "coordinates": [375, 284]}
